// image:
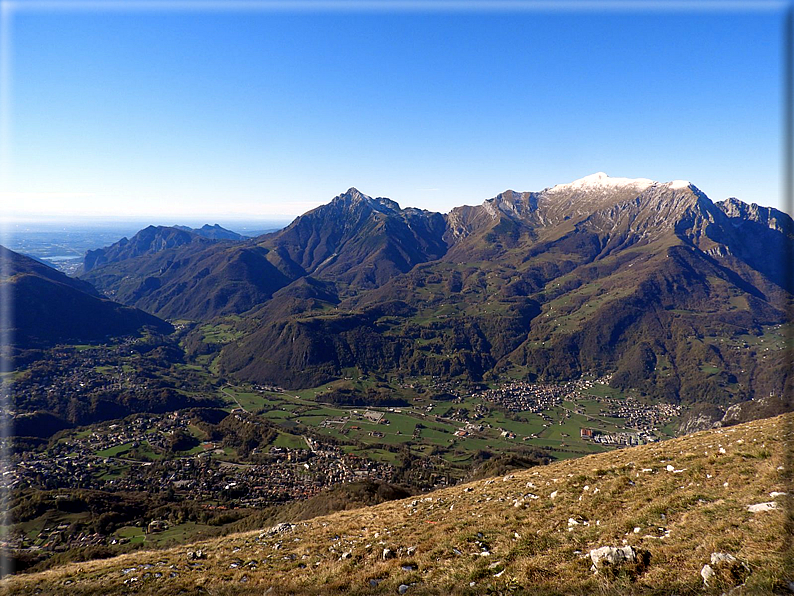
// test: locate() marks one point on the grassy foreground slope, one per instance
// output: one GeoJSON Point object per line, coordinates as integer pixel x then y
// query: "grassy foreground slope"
{"type": "Point", "coordinates": [529, 532]}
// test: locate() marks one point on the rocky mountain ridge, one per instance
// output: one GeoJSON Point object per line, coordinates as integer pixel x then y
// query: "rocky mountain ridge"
{"type": "Point", "coordinates": [150, 240]}
{"type": "Point", "coordinates": [650, 282]}
{"type": "Point", "coordinates": [213, 232]}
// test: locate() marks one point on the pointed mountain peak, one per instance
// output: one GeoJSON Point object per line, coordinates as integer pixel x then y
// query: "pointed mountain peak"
{"type": "Point", "coordinates": [353, 196]}
{"type": "Point", "coordinates": [509, 194]}
{"type": "Point", "coordinates": [508, 197]}
{"type": "Point", "coordinates": [354, 192]}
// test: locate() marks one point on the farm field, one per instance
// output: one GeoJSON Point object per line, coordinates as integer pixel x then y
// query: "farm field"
{"type": "Point", "coordinates": [428, 424]}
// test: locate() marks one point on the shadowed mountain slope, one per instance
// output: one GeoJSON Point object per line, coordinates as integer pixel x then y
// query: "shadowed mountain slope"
{"type": "Point", "coordinates": [196, 281]}
{"type": "Point", "coordinates": [49, 307]}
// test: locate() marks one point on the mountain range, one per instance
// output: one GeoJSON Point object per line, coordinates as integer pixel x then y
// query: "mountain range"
{"type": "Point", "coordinates": [673, 295]}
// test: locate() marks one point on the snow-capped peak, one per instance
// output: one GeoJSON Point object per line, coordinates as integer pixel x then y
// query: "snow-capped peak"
{"type": "Point", "coordinates": [600, 181]}
{"type": "Point", "coordinates": [676, 184]}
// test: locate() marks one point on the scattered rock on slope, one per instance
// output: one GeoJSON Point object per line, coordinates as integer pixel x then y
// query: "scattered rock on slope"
{"type": "Point", "coordinates": [724, 570]}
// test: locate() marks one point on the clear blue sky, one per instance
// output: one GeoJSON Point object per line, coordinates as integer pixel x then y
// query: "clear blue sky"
{"type": "Point", "coordinates": [267, 113]}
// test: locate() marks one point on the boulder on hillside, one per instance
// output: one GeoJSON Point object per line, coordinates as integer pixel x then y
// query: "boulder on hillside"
{"type": "Point", "coordinates": [619, 558]}
{"type": "Point", "coordinates": [281, 528]}
{"type": "Point", "coordinates": [611, 556]}
{"type": "Point", "coordinates": [724, 570]}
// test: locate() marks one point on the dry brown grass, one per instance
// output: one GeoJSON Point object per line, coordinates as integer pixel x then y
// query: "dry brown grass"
{"type": "Point", "coordinates": [531, 548]}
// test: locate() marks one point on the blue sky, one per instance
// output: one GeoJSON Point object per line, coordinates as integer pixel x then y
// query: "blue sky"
{"type": "Point", "coordinates": [270, 113]}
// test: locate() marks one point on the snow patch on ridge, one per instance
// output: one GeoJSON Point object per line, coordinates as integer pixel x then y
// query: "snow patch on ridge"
{"type": "Point", "coordinates": [676, 184]}
{"type": "Point", "coordinates": [600, 181]}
